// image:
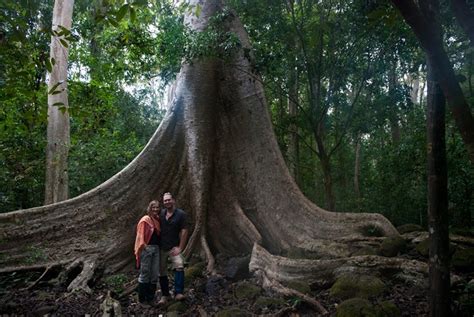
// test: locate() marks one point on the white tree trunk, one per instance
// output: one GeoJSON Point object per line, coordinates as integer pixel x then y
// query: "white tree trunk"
{"type": "Point", "coordinates": [56, 185]}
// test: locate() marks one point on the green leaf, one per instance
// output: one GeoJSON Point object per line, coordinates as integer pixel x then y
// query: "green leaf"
{"type": "Point", "coordinates": [99, 18]}
{"type": "Point", "coordinates": [113, 22]}
{"type": "Point", "coordinates": [49, 66]}
{"type": "Point", "coordinates": [198, 10]}
{"type": "Point", "coordinates": [64, 43]}
{"type": "Point", "coordinates": [140, 2]}
{"type": "Point", "coordinates": [133, 14]}
{"type": "Point", "coordinates": [63, 109]}
{"type": "Point", "coordinates": [64, 30]}
{"type": "Point", "coordinates": [121, 13]}
{"type": "Point", "coordinates": [54, 87]}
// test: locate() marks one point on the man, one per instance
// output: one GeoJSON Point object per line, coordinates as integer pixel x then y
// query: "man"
{"type": "Point", "coordinates": [174, 234]}
{"type": "Point", "coordinates": [147, 253]}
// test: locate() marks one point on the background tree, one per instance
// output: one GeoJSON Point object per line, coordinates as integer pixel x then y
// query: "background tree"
{"type": "Point", "coordinates": [112, 116]}
{"type": "Point", "coordinates": [58, 138]}
{"type": "Point", "coordinates": [425, 25]}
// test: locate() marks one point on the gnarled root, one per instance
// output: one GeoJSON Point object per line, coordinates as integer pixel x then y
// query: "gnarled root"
{"type": "Point", "coordinates": [80, 282]}
{"type": "Point", "coordinates": [324, 272]}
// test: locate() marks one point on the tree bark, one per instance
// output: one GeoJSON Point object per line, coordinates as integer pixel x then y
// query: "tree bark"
{"type": "Point", "coordinates": [216, 151]}
{"type": "Point", "coordinates": [57, 182]}
{"type": "Point", "coordinates": [423, 20]}
{"type": "Point", "coordinates": [325, 160]}
{"type": "Point", "coordinates": [437, 199]}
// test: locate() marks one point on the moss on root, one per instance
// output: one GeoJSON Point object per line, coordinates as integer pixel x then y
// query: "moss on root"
{"type": "Point", "coordinates": [463, 260]}
{"type": "Point", "coordinates": [232, 312]}
{"type": "Point", "coordinates": [300, 286]}
{"type": "Point", "coordinates": [364, 286]}
{"type": "Point", "coordinates": [246, 290]}
{"type": "Point", "coordinates": [392, 246]}
{"type": "Point", "coordinates": [356, 307]}
{"type": "Point", "coordinates": [268, 302]}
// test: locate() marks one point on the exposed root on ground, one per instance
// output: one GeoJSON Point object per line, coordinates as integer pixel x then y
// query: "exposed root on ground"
{"type": "Point", "coordinates": [209, 257]}
{"type": "Point", "coordinates": [87, 267]}
{"type": "Point", "coordinates": [35, 267]}
{"type": "Point", "coordinates": [46, 271]}
{"type": "Point", "coordinates": [323, 272]}
{"type": "Point", "coordinates": [276, 286]}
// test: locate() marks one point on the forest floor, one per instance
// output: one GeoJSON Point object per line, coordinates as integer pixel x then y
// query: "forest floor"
{"type": "Point", "coordinates": [219, 295]}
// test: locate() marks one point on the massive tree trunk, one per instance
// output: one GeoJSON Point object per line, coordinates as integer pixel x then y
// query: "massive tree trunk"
{"type": "Point", "coordinates": [57, 181]}
{"type": "Point", "coordinates": [216, 150]}
{"type": "Point", "coordinates": [423, 20]}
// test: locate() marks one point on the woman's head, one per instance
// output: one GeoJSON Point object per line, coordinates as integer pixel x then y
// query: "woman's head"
{"type": "Point", "coordinates": [153, 209]}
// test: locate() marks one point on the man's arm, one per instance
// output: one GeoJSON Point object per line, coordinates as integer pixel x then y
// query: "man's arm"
{"type": "Point", "coordinates": [183, 237]}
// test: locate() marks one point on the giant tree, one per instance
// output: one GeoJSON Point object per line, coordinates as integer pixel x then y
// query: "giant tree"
{"type": "Point", "coordinates": [216, 150]}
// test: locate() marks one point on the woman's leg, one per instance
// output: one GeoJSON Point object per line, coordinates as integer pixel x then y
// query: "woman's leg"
{"type": "Point", "coordinates": [145, 274]}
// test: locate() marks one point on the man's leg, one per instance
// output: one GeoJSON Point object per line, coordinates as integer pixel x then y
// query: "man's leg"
{"type": "Point", "coordinates": [178, 267]}
{"type": "Point", "coordinates": [179, 283]}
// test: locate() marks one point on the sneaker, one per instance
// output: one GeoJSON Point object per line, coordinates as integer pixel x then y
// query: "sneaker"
{"type": "Point", "coordinates": [179, 297]}
{"type": "Point", "coordinates": [163, 300]}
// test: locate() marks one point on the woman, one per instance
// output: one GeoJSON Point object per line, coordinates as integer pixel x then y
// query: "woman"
{"type": "Point", "coordinates": [147, 252]}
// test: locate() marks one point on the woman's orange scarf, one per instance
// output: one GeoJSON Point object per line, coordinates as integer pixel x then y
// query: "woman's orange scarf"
{"type": "Point", "coordinates": [145, 229]}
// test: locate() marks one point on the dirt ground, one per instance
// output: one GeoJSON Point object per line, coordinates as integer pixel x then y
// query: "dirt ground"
{"type": "Point", "coordinates": [205, 296]}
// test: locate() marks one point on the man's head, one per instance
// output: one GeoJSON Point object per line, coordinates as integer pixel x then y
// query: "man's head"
{"type": "Point", "coordinates": [154, 209]}
{"type": "Point", "coordinates": [168, 201]}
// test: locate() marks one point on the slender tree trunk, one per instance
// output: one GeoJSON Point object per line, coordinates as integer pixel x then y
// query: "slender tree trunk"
{"type": "Point", "coordinates": [357, 168]}
{"type": "Point", "coordinates": [422, 91]}
{"type": "Point", "coordinates": [56, 185]}
{"type": "Point", "coordinates": [423, 19]}
{"type": "Point", "coordinates": [330, 201]}
{"type": "Point", "coordinates": [393, 114]}
{"type": "Point", "coordinates": [465, 16]}
{"type": "Point", "coordinates": [293, 148]}
{"type": "Point", "coordinates": [437, 200]}
{"type": "Point", "coordinates": [414, 83]}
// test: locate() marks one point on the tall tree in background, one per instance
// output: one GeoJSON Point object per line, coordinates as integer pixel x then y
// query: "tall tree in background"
{"type": "Point", "coordinates": [424, 20]}
{"type": "Point", "coordinates": [57, 182]}
{"type": "Point", "coordinates": [438, 219]}
{"type": "Point", "coordinates": [426, 26]}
